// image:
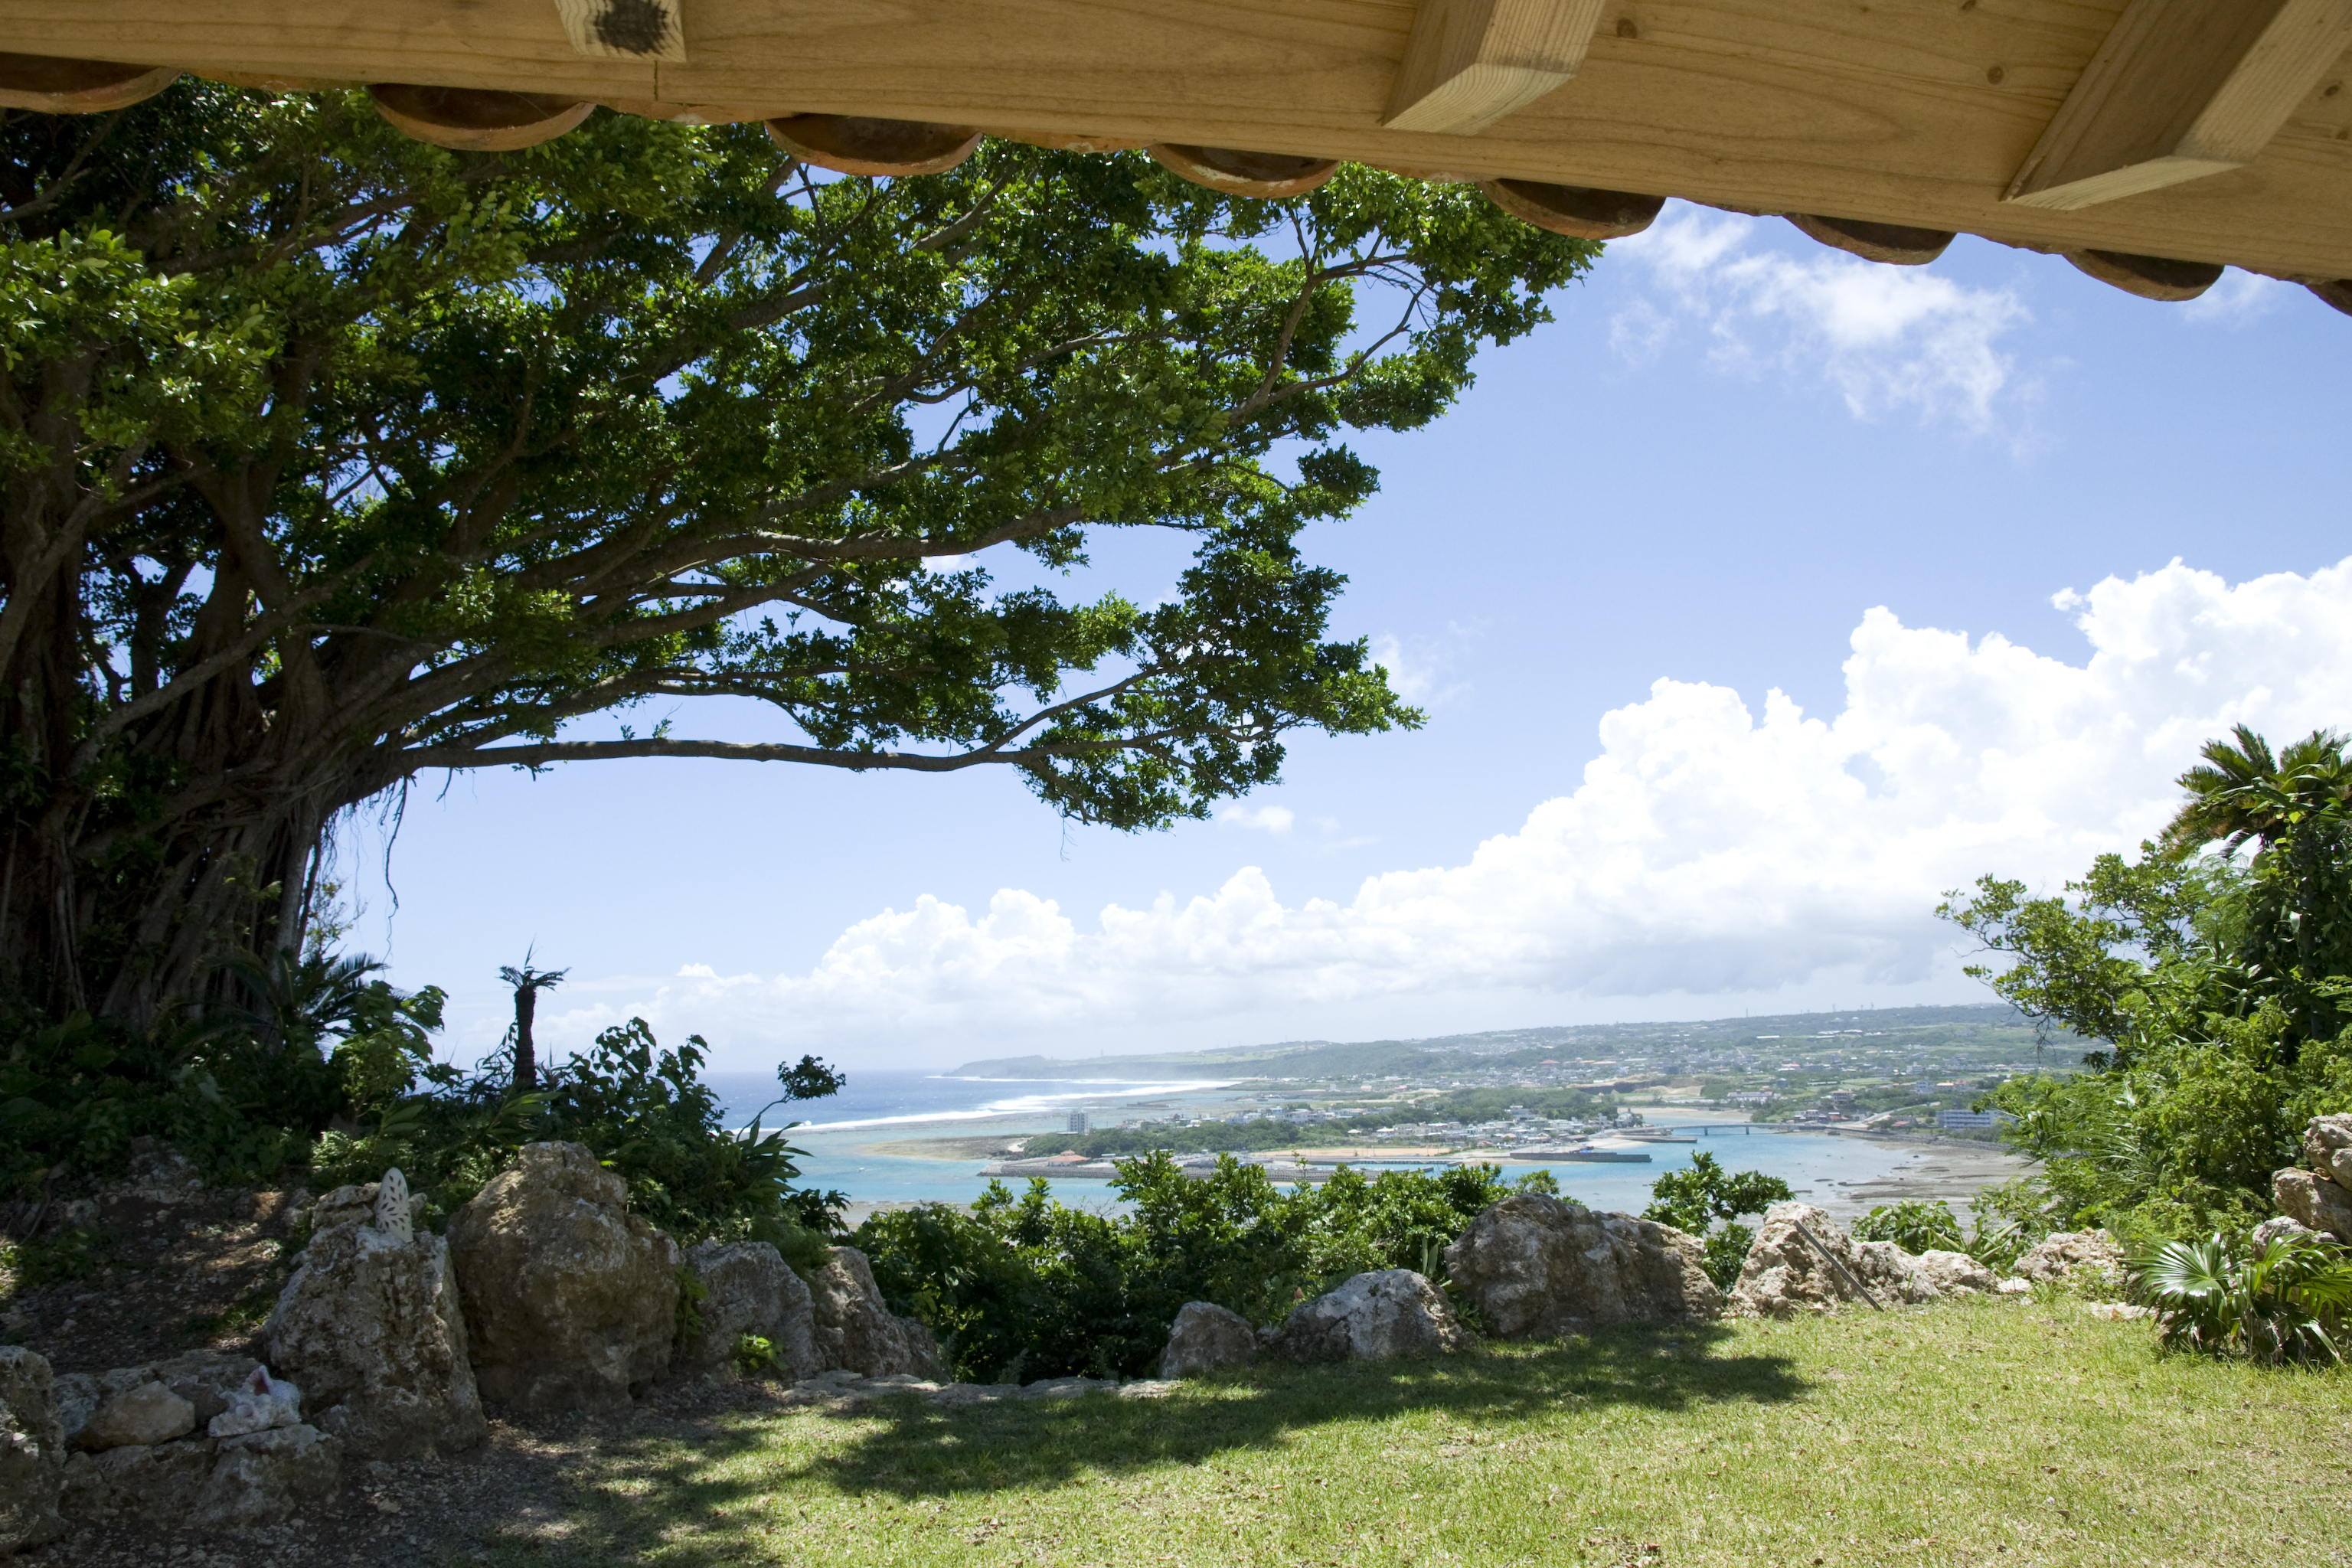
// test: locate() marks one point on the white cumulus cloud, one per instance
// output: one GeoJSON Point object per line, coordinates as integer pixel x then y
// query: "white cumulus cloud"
{"type": "Point", "coordinates": [1266, 818]}
{"type": "Point", "coordinates": [1714, 845]}
{"type": "Point", "coordinates": [1887, 338]}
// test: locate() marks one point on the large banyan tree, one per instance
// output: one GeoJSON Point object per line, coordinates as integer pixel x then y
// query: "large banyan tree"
{"type": "Point", "coordinates": [331, 457]}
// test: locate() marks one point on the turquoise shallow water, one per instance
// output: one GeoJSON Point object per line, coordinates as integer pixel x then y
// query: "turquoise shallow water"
{"type": "Point", "coordinates": [886, 1107]}
{"type": "Point", "coordinates": [1817, 1164]}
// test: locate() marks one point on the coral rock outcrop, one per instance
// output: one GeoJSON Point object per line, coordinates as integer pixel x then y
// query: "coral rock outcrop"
{"type": "Point", "coordinates": [32, 1451]}
{"type": "Point", "coordinates": [1953, 1273]}
{"type": "Point", "coordinates": [1377, 1316]}
{"type": "Point", "coordinates": [2318, 1193]}
{"type": "Point", "coordinates": [569, 1302]}
{"type": "Point", "coordinates": [1204, 1338]}
{"type": "Point", "coordinates": [1537, 1268]}
{"type": "Point", "coordinates": [2090, 1255]}
{"type": "Point", "coordinates": [1802, 1262]}
{"type": "Point", "coordinates": [372, 1328]}
{"type": "Point", "coordinates": [751, 1291]}
{"type": "Point", "coordinates": [854, 1331]}
{"type": "Point", "coordinates": [203, 1439]}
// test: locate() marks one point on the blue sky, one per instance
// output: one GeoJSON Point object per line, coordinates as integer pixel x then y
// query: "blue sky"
{"type": "Point", "coordinates": [1738, 463]}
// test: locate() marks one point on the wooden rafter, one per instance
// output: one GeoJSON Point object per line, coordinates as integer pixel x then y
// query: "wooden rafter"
{"type": "Point", "coordinates": [625, 30]}
{"type": "Point", "coordinates": [1467, 63]}
{"type": "Point", "coordinates": [2182, 89]}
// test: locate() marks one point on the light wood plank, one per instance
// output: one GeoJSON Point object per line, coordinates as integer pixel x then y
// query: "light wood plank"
{"type": "Point", "coordinates": [2180, 90]}
{"type": "Point", "coordinates": [625, 30]}
{"type": "Point", "coordinates": [1887, 112]}
{"type": "Point", "coordinates": [1469, 63]}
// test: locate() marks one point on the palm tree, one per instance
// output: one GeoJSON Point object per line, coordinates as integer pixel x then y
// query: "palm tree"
{"type": "Point", "coordinates": [292, 1001]}
{"type": "Point", "coordinates": [527, 983]}
{"type": "Point", "coordinates": [2243, 792]}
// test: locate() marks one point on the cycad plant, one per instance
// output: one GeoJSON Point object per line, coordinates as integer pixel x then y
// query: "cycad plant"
{"type": "Point", "coordinates": [2282, 1302]}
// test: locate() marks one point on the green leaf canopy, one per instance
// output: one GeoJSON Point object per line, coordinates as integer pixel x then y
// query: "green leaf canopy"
{"type": "Point", "coordinates": [330, 456]}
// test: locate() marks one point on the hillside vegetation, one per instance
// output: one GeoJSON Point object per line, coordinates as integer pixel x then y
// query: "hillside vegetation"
{"type": "Point", "coordinates": [1985, 1027]}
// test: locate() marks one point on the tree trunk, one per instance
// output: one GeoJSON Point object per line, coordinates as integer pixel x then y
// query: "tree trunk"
{"type": "Point", "coordinates": [526, 1062]}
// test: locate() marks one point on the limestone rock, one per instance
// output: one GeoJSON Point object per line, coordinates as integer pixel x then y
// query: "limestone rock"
{"type": "Point", "coordinates": [370, 1326]}
{"type": "Point", "coordinates": [2271, 1229]}
{"type": "Point", "coordinates": [1954, 1272]}
{"type": "Point", "coordinates": [74, 1395]}
{"type": "Point", "coordinates": [1205, 1337]}
{"type": "Point", "coordinates": [1373, 1317]}
{"type": "Point", "coordinates": [2314, 1199]}
{"type": "Point", "coordinates": [162, 1174]}
{"type": "Point", "coordinates": [159, 1483]}
{"type": "Point", "coordinates": [205, 1379]}
{"type": "Point", "coordinates": [753, 1291]}
{"type": "Point", "coordinates": [1537, 1268]}
{"type": "Point", "coordinates": [260, 1404]}
{"type": "Point", "coordinates": [208, 1379]}
{"type": "Point", "coordinates": [146, 1412]}
{"type": "Point", "coordinates": [2327, 1147]}
{"type": "Point", "coordinates": [265, 1478]}
{"type": "Point", "coordinates": [854, 1331]}
{"type": "Point", "coordinates": [2072, 1253]}
{"type": "Point", "coordinates": [32, 1451]}
{"type": "Point", "coordinates": [571, 1301]}
{"type": "Point", "coordinates": [2013, 1288]}
{"type": "Point", "coordinates": [1894, 1275]}
{"type": "Point", "coordinates": [1786, 1275]}
{"type": "Point", "coordinates": [2117, 1312]}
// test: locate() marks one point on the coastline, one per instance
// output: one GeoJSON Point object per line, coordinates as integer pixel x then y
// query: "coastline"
{"type": "Point", "coordinates": [1919, 1168]}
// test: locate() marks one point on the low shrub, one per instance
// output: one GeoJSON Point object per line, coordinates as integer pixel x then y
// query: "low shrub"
{"type": "Point", "coordinates": [1914, 1226]}
{"type": "Point", "coordinates": [317, 1070]}
{"type": "Point", "coordinates": [1707, 1202]}
{"type": "Point", "coordinates": [1022, 1287]}
{"type": "Point", "coordinates": [2284, 1301]}
{"type": "Point", "coordinates": [243, 1088]}
{"type": "Point", "coordinates": [646, 1112]}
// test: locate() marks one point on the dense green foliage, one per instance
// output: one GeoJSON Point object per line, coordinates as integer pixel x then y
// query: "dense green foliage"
{"type": "Point", "coordinates": [241, 1087]}
{"type": "Point", "coordinates": [1023, 1287]}
{"type": "Point", "coordinates": [2217, 986]}
{"type": "Point", "coordinates": [646, 1112]}
{"type": "Point", "coordinates": [328, 456]}
{"type": "Point", "coordinates": [1913, 1225]}
{"type": "Point", "coordinates": [1707, 1202]}
{"type": "Point", "coordinates": [2286, 1300]}
{"type": "Point", "coordinates": [321, 1071]}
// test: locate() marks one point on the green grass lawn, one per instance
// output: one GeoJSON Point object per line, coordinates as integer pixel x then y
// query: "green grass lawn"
{"type": "Point", "coordinates": [1973, 1432]}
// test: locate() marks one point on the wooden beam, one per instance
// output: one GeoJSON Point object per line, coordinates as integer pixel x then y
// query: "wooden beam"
{"type": "Point", "coordinates": [2181, 88]}
{"type": "Point", "coordinates": [2149, 277]}
{"type": "Point", "coordinates": [624, 29]}
{"type": "Point", "coordinates": [1914, 112]}
{"type": "Point", "coordinates": [49, 85]}
{"type": "Point", "coordinates": [1574, 210]}
{"type": "Point", "coordinates": [477, 120]}
{"type": "Point", "coordinates": [854, 144]}
{"type": "Point", "coordinates": [1467, 63]}
{"type": "Point", "coordinates": [1265, 175]}
{"type": "Point", "coordinates": [1896, 245]}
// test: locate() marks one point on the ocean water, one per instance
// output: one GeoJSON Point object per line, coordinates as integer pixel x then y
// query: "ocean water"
{"type": "Point", "coordinates": [841, 1137]}
{"type": "Point", "coordinates": [878, 1100]}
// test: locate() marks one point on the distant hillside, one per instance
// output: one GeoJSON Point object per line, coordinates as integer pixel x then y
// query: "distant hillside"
{"type": "Point", "coordinates": [1983, 1024]}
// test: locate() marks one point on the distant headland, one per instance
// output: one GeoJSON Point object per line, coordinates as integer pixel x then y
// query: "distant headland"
{"type": "Point", "coordinates": [1504, 1048]}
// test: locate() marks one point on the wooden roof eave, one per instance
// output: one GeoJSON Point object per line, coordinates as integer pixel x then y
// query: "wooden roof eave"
{"type": "Point", "coordinates": [2203, 132]}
